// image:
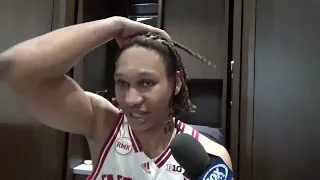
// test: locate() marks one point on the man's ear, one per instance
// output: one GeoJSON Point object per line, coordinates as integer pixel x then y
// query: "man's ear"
{"type": "Point", "coordinates": [178, 83]}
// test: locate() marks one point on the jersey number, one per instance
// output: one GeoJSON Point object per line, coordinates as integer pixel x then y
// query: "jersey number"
{"type": "Point", "coordinates": [110, 177]}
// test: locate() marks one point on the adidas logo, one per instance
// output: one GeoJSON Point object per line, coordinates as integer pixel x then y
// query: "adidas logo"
{"type": "Point", "coordinates": [146, 167]}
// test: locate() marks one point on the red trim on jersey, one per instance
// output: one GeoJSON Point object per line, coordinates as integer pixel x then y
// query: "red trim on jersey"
{"type": "Point", "coordinates": [196, 135]}
{"type": "Point", "coordinates": [136, 140]}
{"type": "Point", "coordinates": [106, 147]}
{"type": "Point", "coordinates": [135, 144]}
{"type": "Point", "coordinates": [164, 157]}
{"type": "Point", "coordinates": [166, 154]}
{"type": "Point", "coordinates": [182, 126]}
{"type": "Point", "coordinates": [193, 133]}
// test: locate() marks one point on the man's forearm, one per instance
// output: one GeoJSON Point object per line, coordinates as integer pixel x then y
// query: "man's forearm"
{"type": "Point", "coordinates": [55, 53]}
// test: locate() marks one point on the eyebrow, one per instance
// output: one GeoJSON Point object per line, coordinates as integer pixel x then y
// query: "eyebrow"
{"type": "Point", "coordinates": [142, 73]}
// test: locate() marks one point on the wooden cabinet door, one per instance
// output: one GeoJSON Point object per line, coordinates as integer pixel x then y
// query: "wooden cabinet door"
{"type": "Point", "coordinates": [28, 150]}
{"type": "Point", "coordinates": [202, 27]}
{"type": "Point", "coordinates": [280, 134]}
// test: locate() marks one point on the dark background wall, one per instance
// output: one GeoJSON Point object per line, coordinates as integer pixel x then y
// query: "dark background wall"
{"type": "Point", "coordinates": [279, 93]}
{"type": "Point", "coordinates": [28, 149]}
{"type": "Point", "coordinates": [203, 28]}
{"type": "Point", "coordinates": [287, 90]}
{"type": "Point", "coordinates": [275, 92]}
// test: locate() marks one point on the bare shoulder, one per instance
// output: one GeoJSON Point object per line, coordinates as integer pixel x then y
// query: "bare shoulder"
{"type": "Point", "coordinates": [105, 116]}
{"type": "Point", "coordinates": [215, 149]}
{"type": "Point", "coordinates": [100, 101]}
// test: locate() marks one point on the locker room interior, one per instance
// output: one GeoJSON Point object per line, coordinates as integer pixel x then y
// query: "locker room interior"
{"type": "Point", "coordinates": [262, 94]}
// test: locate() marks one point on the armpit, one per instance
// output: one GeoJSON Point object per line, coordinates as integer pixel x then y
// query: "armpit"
{"type": "Point", "coordinates": [5, 65]}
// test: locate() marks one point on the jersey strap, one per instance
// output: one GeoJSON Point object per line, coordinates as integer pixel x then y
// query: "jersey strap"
{"type": "Point", "coordinates": [107, 146]}
{"type": "Point", "coordinates": [163, 158]}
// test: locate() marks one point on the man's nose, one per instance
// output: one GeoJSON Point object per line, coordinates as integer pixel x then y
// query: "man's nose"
{"type": "Point", "coordinates": [133, 97]}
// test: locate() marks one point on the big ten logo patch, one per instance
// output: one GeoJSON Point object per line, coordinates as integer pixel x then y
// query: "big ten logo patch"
{"type": "Point", "coordinates": [118, 177]}
{"type": "Point", "coordinates": [174, 168]}
{"type": "Point", "coordinates": [123, 145]}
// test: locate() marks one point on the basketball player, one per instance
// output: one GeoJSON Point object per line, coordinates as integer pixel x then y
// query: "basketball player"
{"type": "Point", "coordinates": [131, 143]}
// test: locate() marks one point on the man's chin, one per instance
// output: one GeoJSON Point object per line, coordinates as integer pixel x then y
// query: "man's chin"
{"type": "Point", "coordinates": [138, 127]}
{"type": "Point", "coordinates": [137, 121]}
{"type": "Point", "coordinates": [139, 124]}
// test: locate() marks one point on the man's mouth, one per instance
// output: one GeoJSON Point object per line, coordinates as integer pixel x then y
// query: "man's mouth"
{"type": "Point", "coordinates": [138, 117]}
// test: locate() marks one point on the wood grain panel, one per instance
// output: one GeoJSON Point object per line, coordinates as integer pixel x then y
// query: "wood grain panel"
{"type": "Point", "coordinates": [28, 150]}
{"type": "Point", "coordinates": [202, 27]}
{"type": "Point", "coordinates": [286, 90]}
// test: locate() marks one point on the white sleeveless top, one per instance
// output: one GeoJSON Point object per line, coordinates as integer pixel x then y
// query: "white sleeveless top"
{"type": "Point", "coordinates": [123, 159]}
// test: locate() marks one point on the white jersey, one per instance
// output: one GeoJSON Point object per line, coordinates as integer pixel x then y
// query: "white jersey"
{"type": "Point", "coordinates": [123, 159]}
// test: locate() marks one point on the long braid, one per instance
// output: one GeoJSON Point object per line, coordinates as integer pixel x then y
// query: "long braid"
{"type": "Point", "coordinates": [178, 65]}
{"type": "Point", "coordinates": [184, 79]}
{"type": "Point", "coordinates": [204, 60]}
{"type": "Point", "coordinates": [182, 47]}
{"type": "Point", "coordinates": [185, 94]}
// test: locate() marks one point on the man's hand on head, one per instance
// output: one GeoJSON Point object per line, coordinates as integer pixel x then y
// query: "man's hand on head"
{"type": "Point", "coordinates": [130, 28]}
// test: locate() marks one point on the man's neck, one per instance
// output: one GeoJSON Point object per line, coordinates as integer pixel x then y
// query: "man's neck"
{"type": "Point", "coordinates": [155, 141]}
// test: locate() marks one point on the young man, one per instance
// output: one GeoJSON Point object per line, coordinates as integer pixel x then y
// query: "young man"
{"type": "Point", "coordinates": [150, 90]}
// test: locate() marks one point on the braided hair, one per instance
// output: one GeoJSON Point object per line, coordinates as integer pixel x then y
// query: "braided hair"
{"type": "Point", "coordinates": [180, 102]}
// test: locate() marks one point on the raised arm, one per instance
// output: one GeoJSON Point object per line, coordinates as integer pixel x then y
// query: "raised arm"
{"type": "Point", "coordinates": [35, 70]}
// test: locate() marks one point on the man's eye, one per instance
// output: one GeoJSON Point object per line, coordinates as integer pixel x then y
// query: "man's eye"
{"type": "Point", "coordinates": [147, 83]}
{"type": "Point", "coordinates": [121, 83]}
